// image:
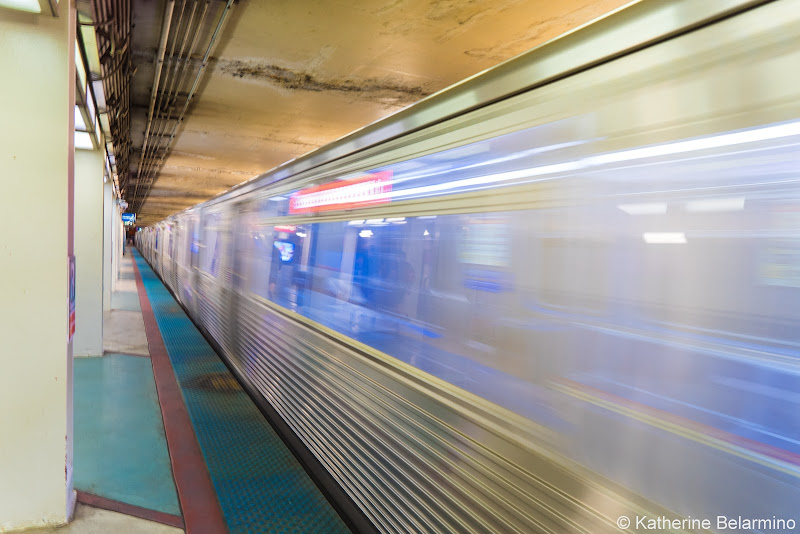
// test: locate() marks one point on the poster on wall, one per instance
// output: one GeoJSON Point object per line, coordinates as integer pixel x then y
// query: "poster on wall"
{"type": "Point", "coordinates": [71, 298]}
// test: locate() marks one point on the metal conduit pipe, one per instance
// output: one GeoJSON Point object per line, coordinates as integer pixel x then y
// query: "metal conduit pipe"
{"type": "Point", "coordinates": [173, 91]}
{"type": "Point", "coordinates": [170, 60]}
{"type": "Point", "coordinates": [155, 160]}
{"type": "Point", "coordinates": [179, 68]}
{"type": "Point", "coordinates": [161, 104]}
{"type": "Point", "coordinates": [162, 48]}
{"type": "Point", "coordinates": [197, 78]}
{"type": "Point", "coordinates": [207, 55]}
{"type": "Point", "coordinates": [147, 175]}
{"type": "Point", "coordinates": [174, 88]}
{"type": "Point", "coordinates": [163, 107]}
{"type": "Point", "coordinates": [176, 63]}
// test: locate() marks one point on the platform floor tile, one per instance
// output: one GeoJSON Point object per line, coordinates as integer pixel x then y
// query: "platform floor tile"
{"type": "Point", "coordinates": [260, 485]}
{"type": "Point", "coordinates": [125, 300]}
{"type": "Point", "coordinates": [120, 448]}
{"type": "Point", "coordinates": [91, 520]}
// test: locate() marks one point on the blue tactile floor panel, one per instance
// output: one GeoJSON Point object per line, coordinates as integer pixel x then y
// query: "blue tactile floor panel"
{"type": "Point", "coordinates": [120, 448]}
{"type": "Point", "coordinates": [260, 485]}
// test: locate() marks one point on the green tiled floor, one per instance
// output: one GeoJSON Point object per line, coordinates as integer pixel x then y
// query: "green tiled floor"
{"type": "Point", "coordinates": [120, 448]}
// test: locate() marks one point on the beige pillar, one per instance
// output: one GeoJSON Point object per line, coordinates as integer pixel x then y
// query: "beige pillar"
{"type": "Point", "coordinates": [108, 244]}
{"type": "Point", "coordinates": [89, 170]}
{"type": "Point", "coordinates": [37, 69]}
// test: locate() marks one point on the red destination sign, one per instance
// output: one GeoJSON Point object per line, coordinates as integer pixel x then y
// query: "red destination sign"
{"type": "Point", "coordinates": [345, 194]}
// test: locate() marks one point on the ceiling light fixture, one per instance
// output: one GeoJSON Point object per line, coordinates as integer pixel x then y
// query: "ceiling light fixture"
{"type": "Point", "coordinates": [30, 6]}
{"type": "Point", "coordinates": [664, 238]}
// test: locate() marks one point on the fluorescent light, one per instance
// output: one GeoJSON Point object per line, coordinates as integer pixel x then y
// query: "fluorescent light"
{"type": "Point", "coordinates": [31, 6]}
{"type": "Point", "coordinates": [394, 219]}
{"type": "Point", "coordinates": [644, 208]}
{"type": "Point", "coordinates": [426, 233]}
{"type": "Point", "coordinates": [545, 171]}
{"type": "Point", "coordinates": [481, 181]}
{"type": "Point", "coordinates": [90, 107]}
{"type": "Point", "coordinates": [78, 63]}
{"type": "Point", "coordinates": [356, 223]}
{"type": "Point", "coordinates": [366, 233]}
{"type": "Point", "coordinates": [79, 124]}
{"type": "Point", "coordinates": [664, 238]}
{"type": "Point", "coordinates": [300, 234]}
{"type": "Point", "coordinates": [716, 204]}
{"type": "Point", "coordinates": [691, 145]}
{"type": "Point", "coordinates": [83, 140]}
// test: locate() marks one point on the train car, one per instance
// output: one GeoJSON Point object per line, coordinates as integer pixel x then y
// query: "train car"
{"type": "Point", "coordinates": [561, 296]}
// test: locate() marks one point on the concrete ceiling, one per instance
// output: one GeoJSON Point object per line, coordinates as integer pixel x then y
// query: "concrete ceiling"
{"type": "Point", "coordinates": [287, 76]}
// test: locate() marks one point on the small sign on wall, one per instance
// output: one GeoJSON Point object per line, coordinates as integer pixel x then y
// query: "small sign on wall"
{"type": "Point", "coordinates": [71, 298]}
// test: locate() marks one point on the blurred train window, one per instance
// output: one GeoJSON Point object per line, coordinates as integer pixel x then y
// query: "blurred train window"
{"type": "Point", "coordinates": [433, 291]}
{"type": "Point", "coordinates": [779, 258]}
{"type": "Point", "coordinates": [285, 247]}
{"type": "Point", "coordinates": [171, 241]}
{"type": "Point", "coordinates": [255, 255]}
{"type": "Point", "coordinates": [574, 273]}
{"type": "Point", "coordinates": [166, 249]}
{"type": "Point", "coordinates": [209, 251]}
{"type": "Point", "coordinates": [184, 243]}
{"type": "Point", "coordinates": [633, 259]}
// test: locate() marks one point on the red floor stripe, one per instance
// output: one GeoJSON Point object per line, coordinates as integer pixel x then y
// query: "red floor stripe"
{"type": "Point", "coordinates": [201, 510]}
{"type": "Point", "coordinates": [129, 509]}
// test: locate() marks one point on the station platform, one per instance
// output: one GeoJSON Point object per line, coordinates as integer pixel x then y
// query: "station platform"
{"type": "Point", "coordinates": [165, 435]}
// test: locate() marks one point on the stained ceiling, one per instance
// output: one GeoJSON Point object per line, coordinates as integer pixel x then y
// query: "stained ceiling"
{"type": "Point", "coordinates": [283, 77]}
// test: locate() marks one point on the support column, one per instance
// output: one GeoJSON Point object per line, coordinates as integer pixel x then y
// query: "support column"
{"type": "Point", "coordinates": [89, 170]}
{"type": "Point", "coordinates": [118, 244]}
{"type": "Point", "coordinates": [114, 245]}
{"type": "Point", "coordinates": [37, 69]}
{"type": "Point", "coordinates": [108, 228]}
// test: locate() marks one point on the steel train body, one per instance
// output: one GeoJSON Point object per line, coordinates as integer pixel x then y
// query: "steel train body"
{"type": "Point", "coordinates": [564, 291]}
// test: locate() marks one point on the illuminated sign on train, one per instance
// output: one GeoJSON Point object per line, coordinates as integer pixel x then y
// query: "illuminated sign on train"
{"type": "Point", "coordinates": [345, 194]}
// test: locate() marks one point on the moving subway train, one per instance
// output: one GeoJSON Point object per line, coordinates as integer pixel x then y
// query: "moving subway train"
{"type": "Point", "coordinates": [561, 296]}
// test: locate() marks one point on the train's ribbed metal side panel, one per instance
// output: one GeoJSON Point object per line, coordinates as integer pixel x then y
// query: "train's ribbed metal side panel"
{"type": "Point", "coordinates": [212, 309]}
{"type": "Point", "coordinates": [417, 458]}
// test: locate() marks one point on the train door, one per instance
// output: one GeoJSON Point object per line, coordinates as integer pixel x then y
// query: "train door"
{"type": "Point", "coordinates": [174, 251]}
{"type": "Point", "coordinates": [192, 262]}
{"type": "Point", "coordinates": [238, 260]}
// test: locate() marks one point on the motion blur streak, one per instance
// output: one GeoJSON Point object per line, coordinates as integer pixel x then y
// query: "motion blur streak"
{"type": "Point", "coordinates": [577, 304]}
